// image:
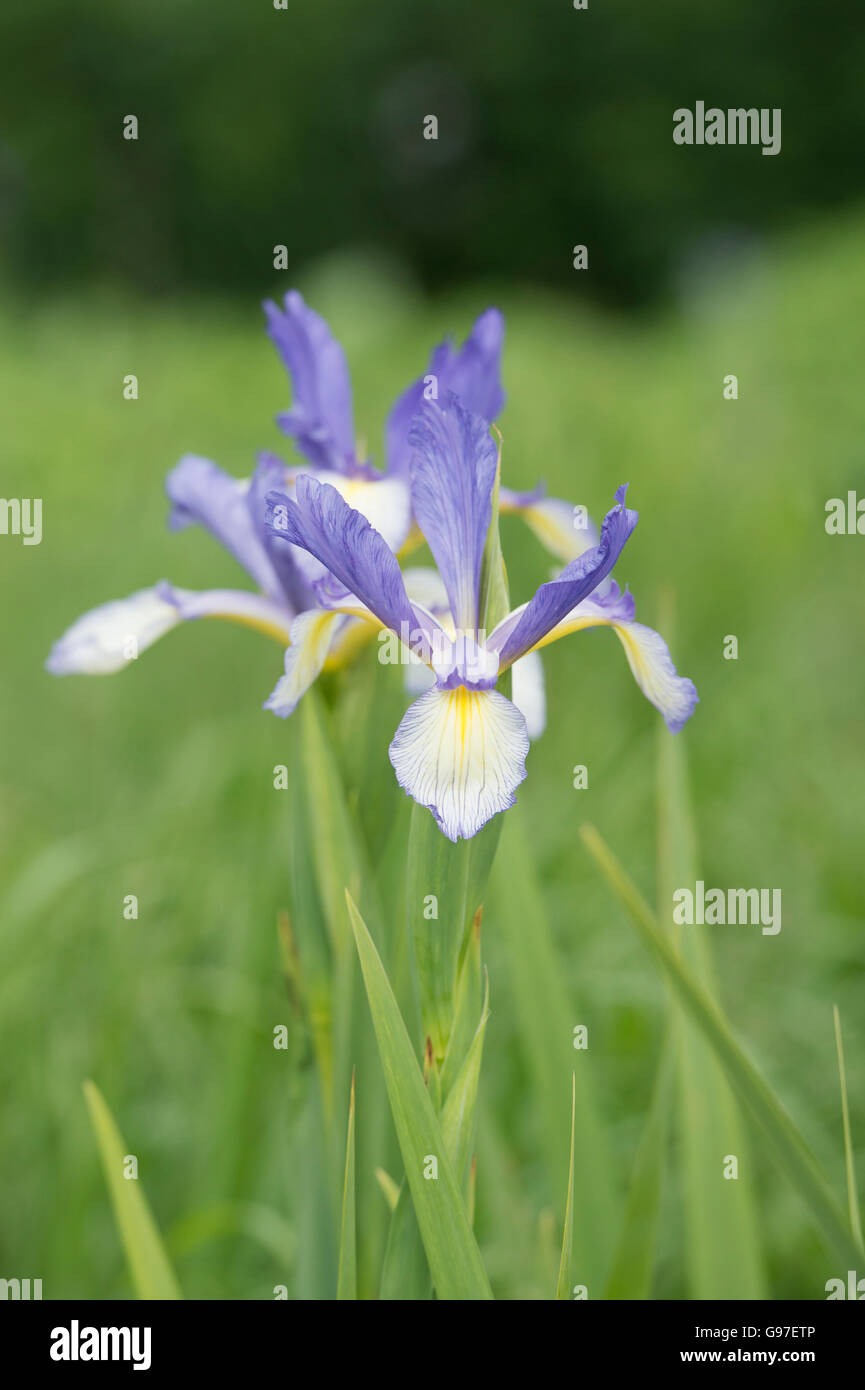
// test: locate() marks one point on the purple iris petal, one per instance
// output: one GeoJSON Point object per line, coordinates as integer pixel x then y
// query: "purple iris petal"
{"type": "Point", "coordinates": [472, 373]}
{"type": "Point", "coordinates": [320, 419]}
{"type": "Point", "coordinates": [452, 476]}
{"type": "Point", "coordinates": [323, 523]}
{"type": "Point", "coordinates": [201, 493]}
{"type": "Point", "coordinates": [619, 607]}
{"type": "Point", "coordinates": [577, 580]}
{"type": "Point", "coordinates": [269, 476]}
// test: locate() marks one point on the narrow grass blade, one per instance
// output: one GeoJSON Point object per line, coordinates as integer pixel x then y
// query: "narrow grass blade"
{"type": "Point", "coordinates": [633, 1262]}
{"type": "Point", "coordinates": [149, 1267]}
{"type": "Point", "coordinates": [405, 1275]}
{"type": "Point", "coordinates": [467, 1003]}
{"type": "Point", "coordinates": [390, 1190]}
{"type": "Point", "coordinates": [346, 1283]}
{"type": "Point", "coordinates": [722, 1246]}
{"type": "Point", "coordinates": [337, 858]}
{"type": "Point", "coordinates": [332, 838]}
{"type": "Point", "coordinates": [563, 1286]}
{"type": "Point", "coordinates": [790, 1149]}
{"type": "Point", "coordinates": [473, 1187]}
{"type": "Point", "coordinates": [451, 1249]}
{"type": "Point", "coordinates": [458, 1112]}
{"type": "Point", "coordinates": [546, 1014]}
{"type": "Point", "coordinates": [852, 1194]}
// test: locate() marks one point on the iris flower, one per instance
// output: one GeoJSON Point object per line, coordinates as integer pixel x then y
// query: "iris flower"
{"type": "Point", "coordinates": [460, 749]}
{"type": "Point", "coordinates": [320, 423]}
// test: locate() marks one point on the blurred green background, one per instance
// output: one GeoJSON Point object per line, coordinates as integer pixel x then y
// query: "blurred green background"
{"type": "Point", "coordinates": [150, 258]}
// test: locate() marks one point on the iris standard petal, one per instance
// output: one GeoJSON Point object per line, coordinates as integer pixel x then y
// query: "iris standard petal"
{"type": "Point", "coordinates": [201, 493]}
{"type": "Point", "coordinates": [320, 419]}
{"type": "Point", "coordinates": [111, 636]}
{"type": "Point", "coordinates": [462, 754]}
{"type": "Point", "coordinates": [472, 373]}
{"type": "Point", "coordinates": [311, 638]}
{"type": "Point", "coordinates": [453, 472]}
{"type": "Point", "coordinates": [321, 521]}
{"type": "Point", "coordinates": [525, 628]}
{"type": "Point", "coordinates": [647, 652]}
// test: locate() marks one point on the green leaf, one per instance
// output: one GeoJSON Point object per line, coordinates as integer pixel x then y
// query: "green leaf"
{"type": "Point", "coordinates": [563, 1286]}
{"type": "Point", "coordinates": [451, 1249]}
{"type": "Point", "coordinates": [494, 602]}
{"type": "Point", "coordinates": [467, 1005]}
{"type": "Point", "coordinates": [331, 835]}
{"type": "Point", "coordinates": [330, 854]}
{"type": "Point", "coordinates": [790, 1149]}
{"type": "Point", "coordinates": [723, 1252]}
{"type": "Point", "coordinates": [346, 1284]}
{"type": "Point", "coordinates": [631, 1272]}
{"type": "Point", "coordinates": [390, 1190]}
{"type": "Point", "coordinates": [405, 1274]}
{"type": "Point", "coordinates": [546, 1014]}
{"type": "Point", "coordinates": [458, 1112]}
{"type": "Point", "coordinates": [149, 1267]}
{"type": "Point", "coordinates": [450, 880]}
{"type": "Point", "coordinates": [850, 1167]}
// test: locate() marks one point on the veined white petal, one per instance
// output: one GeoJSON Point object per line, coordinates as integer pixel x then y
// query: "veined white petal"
{"type": "Point", "coordinates": [648, 657]}
{"type": "Point", "coordinates": [528, 693]}
{"type": "Point", "coordinates": [653, 670]}
{"type": "Point", "coordinates": [462, 754]}
{"type": "Point", "coordinates": [311, 636]}
{"type": "Point", "coordinates": [111, 636]}
{"type": "Point", "coordinates": [232, 606]}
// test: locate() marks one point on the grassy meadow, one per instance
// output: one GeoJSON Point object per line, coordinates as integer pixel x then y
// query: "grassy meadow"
{"type": "Point", "coordinates": [158, 782]}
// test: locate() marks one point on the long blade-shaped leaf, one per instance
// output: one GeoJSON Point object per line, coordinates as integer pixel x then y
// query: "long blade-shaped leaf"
{"type": "Point", "coordinates": [722, 1246]}
{"type": "Point", "coordinates": [850, 1167]}
{"type": "Point", "coordinates": [405, 1274]}
{"type": "Point", "coordinates": [789, 1147]}
{"type": "Point", "coordinates": [451, 1249]}
{"type": "Point", "coordinates": [631, 1272]}
{"type": "Point", "coordinates": [336, 856]}
{"type": "Point", "coordinates": [546, 1013]}
{"type": "Point", "coordinates": [445, 887]}
{"type": "Point", "coordinates": [563, 1286]}
{"type": "Point", "coordinates": [458, 1111]}
{"type": "Point", "coordinates": [149, 1266]}
{"type": "Point", "coordinates": [346, 1284]}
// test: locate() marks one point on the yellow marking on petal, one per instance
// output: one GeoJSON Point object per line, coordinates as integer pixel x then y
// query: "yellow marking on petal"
{"type": "Point", "coordinates": [413, 541]}
{"type": "Point", "coordinates": [274, 630]}
{"type": "Point", "coordinates": [355, 637]}
{"type": "Point", "coordinates": [567, 626]}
